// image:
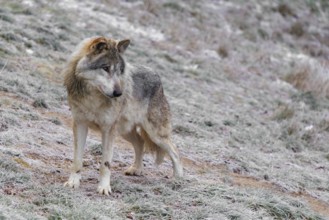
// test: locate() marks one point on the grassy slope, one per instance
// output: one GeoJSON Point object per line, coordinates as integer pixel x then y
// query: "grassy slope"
{"type": "Point", "coordinates": [247, 83]}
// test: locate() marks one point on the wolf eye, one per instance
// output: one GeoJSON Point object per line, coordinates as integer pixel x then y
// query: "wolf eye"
{"type": "Point", "coordinates": [106, 68]}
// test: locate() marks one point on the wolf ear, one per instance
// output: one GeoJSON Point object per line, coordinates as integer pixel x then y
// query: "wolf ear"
{"type": "Point", "coordinates": [99, 45]}
{"type": "Point", "coordinates": [122, 45]}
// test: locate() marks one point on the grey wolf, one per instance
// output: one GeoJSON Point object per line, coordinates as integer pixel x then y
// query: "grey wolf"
{"type": "Point", "coordinates": [110, 95]}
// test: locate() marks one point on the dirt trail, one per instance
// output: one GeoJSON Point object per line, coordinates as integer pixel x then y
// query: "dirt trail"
{"type": "Point", "coordinates": [245, 181]}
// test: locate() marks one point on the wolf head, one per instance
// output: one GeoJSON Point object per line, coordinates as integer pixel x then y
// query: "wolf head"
{"type": "Point", "coordinates": [98, 63]}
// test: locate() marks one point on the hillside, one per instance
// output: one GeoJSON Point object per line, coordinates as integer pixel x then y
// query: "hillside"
{"type": "Point", "coordinates": [248, 86]}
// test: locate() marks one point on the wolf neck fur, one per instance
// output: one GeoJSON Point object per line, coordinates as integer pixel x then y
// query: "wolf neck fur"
{"type": "Point", "coordinates": [76, 86]}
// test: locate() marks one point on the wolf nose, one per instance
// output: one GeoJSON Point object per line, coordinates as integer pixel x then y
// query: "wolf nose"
{"type": "Point", "coordinates": [117, 93]}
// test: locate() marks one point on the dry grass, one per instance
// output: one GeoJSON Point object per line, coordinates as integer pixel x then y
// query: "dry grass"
{"type": "Point", "coordinates": [311, 77]}
{"type": "Point", "coordinates": [284, 112]}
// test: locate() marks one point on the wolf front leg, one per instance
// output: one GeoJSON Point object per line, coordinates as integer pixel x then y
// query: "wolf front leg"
{"type": "Point", "coordinates": [104, 186]}
{"type": "Point", "coordinates": [80, 131]}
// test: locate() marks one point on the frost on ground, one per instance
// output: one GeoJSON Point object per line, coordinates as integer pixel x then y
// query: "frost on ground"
{"type": "Point", "coordinates": [248, 86]}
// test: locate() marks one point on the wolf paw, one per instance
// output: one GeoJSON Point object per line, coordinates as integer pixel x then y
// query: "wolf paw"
{"type": "Point", "coordinates": [104, 190]}
{"type": "Point", "coordinates": [74, 181]}
{"type": "Point", "coordinates": [133, 171]}
{"type": "Point", "coordinates": [178, 172]}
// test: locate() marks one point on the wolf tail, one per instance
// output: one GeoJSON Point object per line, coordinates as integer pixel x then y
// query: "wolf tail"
{"type": "Point", "coordinates": [150, 146]}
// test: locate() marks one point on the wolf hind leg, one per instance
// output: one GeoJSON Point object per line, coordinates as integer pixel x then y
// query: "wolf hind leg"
{"type": "Point", "coordinates": [162, 140]}
{"type": "Point", "coordinates": [138, 143]}
{"type": "Point", "coordinates": [151, 147]}
{"type": "Point", "coordinates": [171, 149]}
